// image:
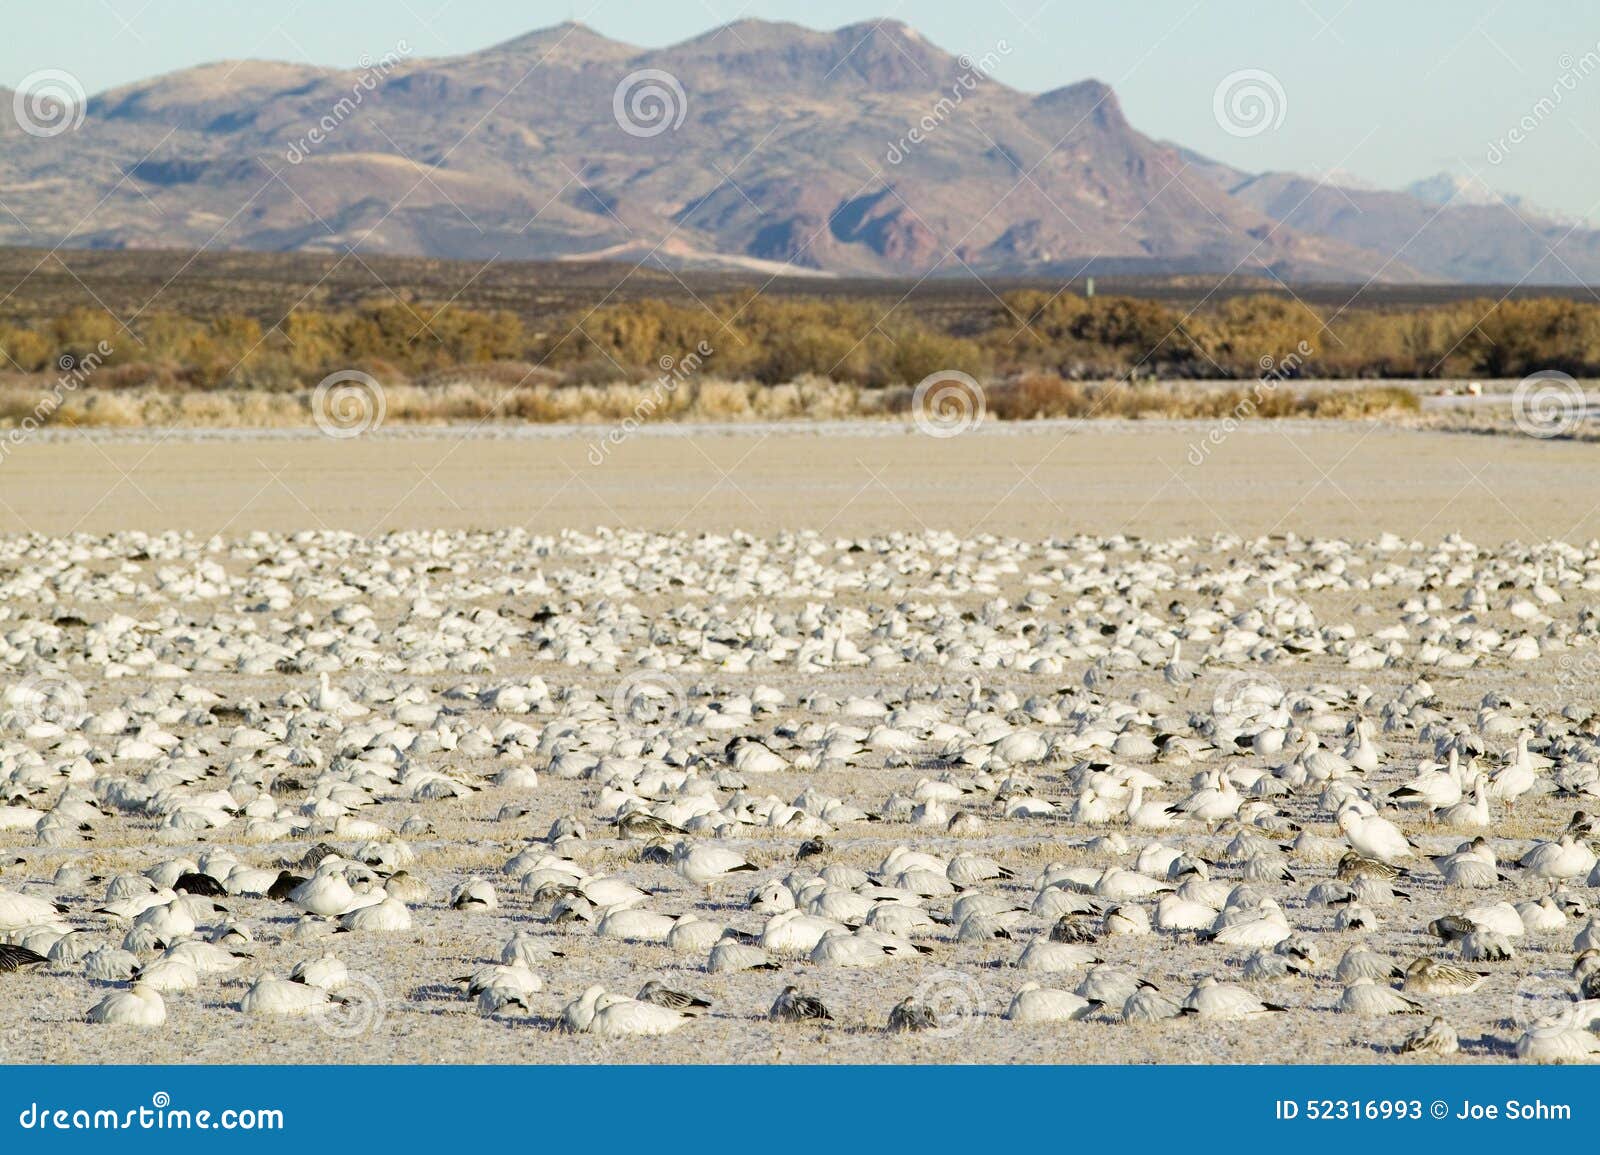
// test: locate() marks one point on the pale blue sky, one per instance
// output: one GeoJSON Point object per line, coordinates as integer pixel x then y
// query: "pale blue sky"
{"type": "Point", "coordinates": [1388, 90]}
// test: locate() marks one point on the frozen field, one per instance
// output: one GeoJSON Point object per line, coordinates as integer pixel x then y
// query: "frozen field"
{"type": "Point", "coordinates": [420, 652]}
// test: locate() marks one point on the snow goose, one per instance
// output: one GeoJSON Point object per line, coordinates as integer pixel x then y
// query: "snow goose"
{"type": "Point", "coordinates": [1046, 957]}
{"type": "Point", "coordinates": [607, 891]}
{"type": "Point", "coordinates": [1374, 837]}
{"type": "Point", "coordinates": [1210, 999]}
{"type": "Point", "coordinates": [271, 995]}
{"type": "Point", "coordinates": [1265, 964]}
{"type": "Point", "coordinates": [1036, 1004]}
{"type": "Point", "coordinates": [1120, 883]}
{"type": "Point", "coordinates": [495, 1000]}
{"type": "Point", "coordinates": [1110, 984]}
{"type": "Point", "coordinates": [791, 1006]}
{"type": "Point", "coordinates": [15, 958]}
{"type": "Point", "coordinates": [730, 955]}
{"type": "Point", "coordinates": [526, 949]}
{"type": "Point", "coordinates": [968, 870]}
{"type": "Point", "coordinates": [1473, 866]}
{"type": "Point", "coordinates": [795, 934]}
{"type": "Point", "coordinates": [1470, 814]}
{"type": "Point", "coordinates": [691, 934]}
{"type": "Point", "coordinates": [513, 977]}
{"type": "Point", "coordinates": [474, 894]}
{"type": "Point", "coordinates": [110, 965]}
{"type": "Point", "coordinates": [1483, 945]}
{"type": "Point", "coordinates": [138, 1006]}
{"type": "Point", "coordinates": [1558, 1043]}
{"type": "Point", "coordinates": [1176, 913]}
{"type": "Point", "coordinates": [1542, 916]}
{"type": "Point", "coordinates": [1517, 777]}
{"type": "Point", "coordinates": [1434, 788]}
{"type": "Point", "coordinates": [707, 865]}
{"type": "Point", "coordinates": [167, 974]}
{"type": "Point", "coordinates": [1500, 917]}
{"type": "Point", "coordinates": [635, 925]}
{"type": "Point", "coordinates": [326, 973]}
{"type": "Point", "coordinates": [1147, 815]}
{"type": "Point", "coordinates": [388, 914]}
{"type": "Point", "coordinates": [327, 894]}
{"type": "Point", "coordinates": [20, 911]}
{"type": "Point", "coordinates": [1266, 925]}
{"type": "Point", "coordinates": [1149, 1006]}
{"type": "Point", "coordinates": [662, 995]}
{"type": "Point", "coordinates": [909, 1015]}
{"type": "Point", "coordinates": [1437, 1038]}
{"type": "Point", "coordinates": [1567, 857]}
{"type": "Point", "coordinates": [863, 948]}
{"type": "Point", "coordinates": [1127, 919]}
{"type": "Point", "coordinates": [1428, 976]}
{"type": "Point", "coordinates": [617, 1016]}
{"type": "Point", "coordinates": [578, 1016]}
{"type": "Point", "coordinates": [1366, 997]}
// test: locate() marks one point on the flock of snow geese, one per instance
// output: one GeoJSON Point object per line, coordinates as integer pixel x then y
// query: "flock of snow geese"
{"type": "Point", "coordinates": [1153, 788]}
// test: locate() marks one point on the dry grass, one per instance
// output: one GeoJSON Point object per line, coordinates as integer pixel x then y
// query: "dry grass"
{"type": "Point", "coordinates": [498, 397]}
{"type": "Point", "coordinates": [1035, 396]}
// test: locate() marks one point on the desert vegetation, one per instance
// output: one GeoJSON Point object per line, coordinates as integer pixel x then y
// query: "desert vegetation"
{"type": "Point", "coordinates": [1039, 352]}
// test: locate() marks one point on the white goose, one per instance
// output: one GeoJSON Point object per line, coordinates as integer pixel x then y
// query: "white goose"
{"type": "Point", "coordinates": [1374, 837]}
{"type": "Point", "coordinates": [139, 1006]}
{"type": "Point", "coordinates": [1035, 1004]}
{"type": "Point", "coordinates": [617, 1016]}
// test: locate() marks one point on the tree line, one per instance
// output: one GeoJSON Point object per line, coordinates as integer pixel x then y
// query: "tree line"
{"type": "Point", "coordinates": [863, 342]}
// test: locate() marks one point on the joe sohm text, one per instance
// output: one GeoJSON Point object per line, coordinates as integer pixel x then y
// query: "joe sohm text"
{"type": "Point", "coordinates": [1509, 1111]}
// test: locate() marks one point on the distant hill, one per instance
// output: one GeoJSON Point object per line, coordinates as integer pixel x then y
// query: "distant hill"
{"type": "Point", "coordinates": [794, 152]}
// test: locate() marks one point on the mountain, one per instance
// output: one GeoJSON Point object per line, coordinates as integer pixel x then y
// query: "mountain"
{"type": "Point", "coordinates": [764, 146]}
{"type": "Point", "coordinates": [1445, 229]}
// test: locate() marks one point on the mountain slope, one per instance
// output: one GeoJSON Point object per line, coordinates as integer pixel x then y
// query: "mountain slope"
{"type": "Point", "coordinates": [1449, 232]}
{"type": "Point", "coordinates": [862, 151]}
